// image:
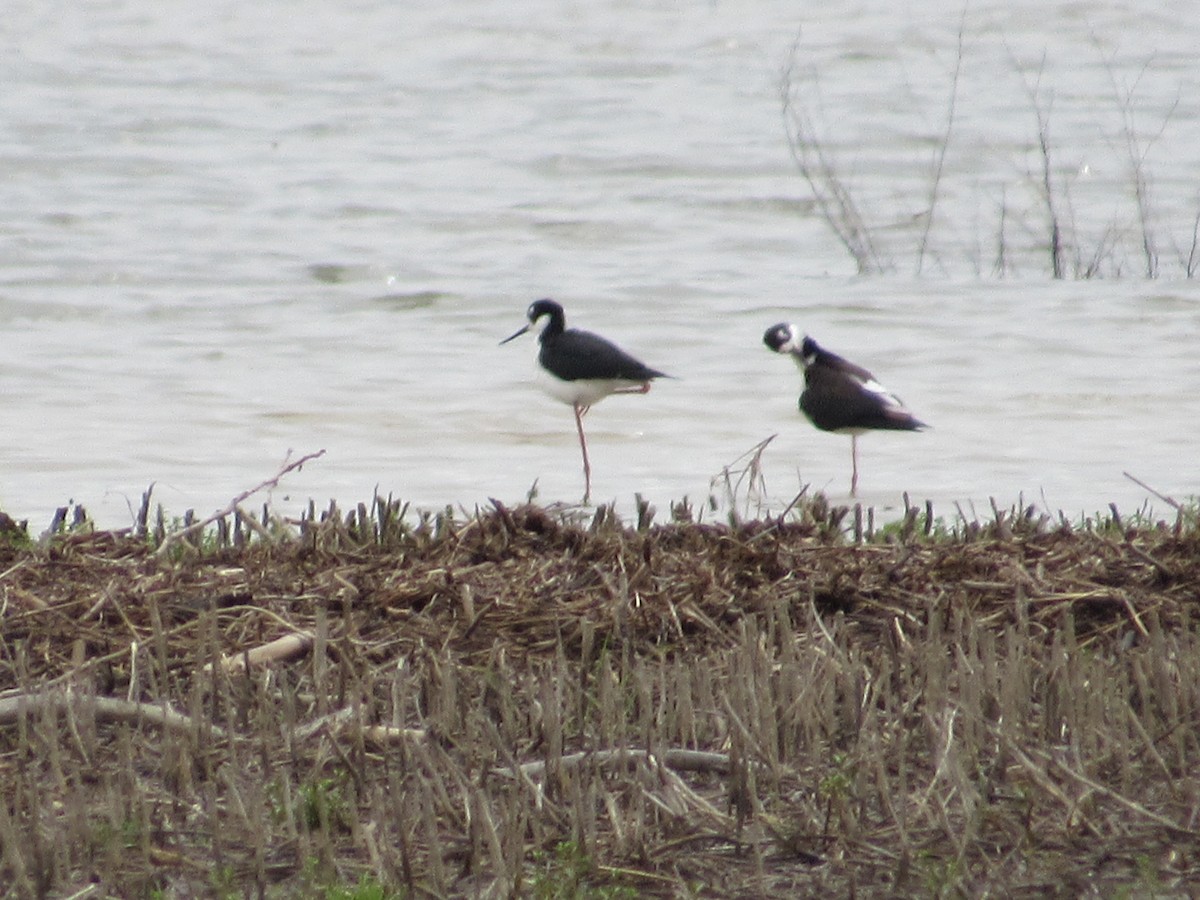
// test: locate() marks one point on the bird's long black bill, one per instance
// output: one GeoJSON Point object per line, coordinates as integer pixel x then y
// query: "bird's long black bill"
{"type": "Point", "coordinates": [514, 336]}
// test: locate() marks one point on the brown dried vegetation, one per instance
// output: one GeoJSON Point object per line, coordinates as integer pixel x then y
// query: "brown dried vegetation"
{"type": "Point", "coordinates": [519, 704]}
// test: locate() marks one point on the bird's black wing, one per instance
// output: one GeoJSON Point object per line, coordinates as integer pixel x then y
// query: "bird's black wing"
{"type": "Point", "coordinates": [830, 360]}
{"type": "Point", "coordinates": [575, 355]}
{"type": "Point", "coordinates": [847, 397]}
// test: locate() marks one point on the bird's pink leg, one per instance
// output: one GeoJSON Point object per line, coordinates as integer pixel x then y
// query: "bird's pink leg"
{"type": "Point", "coordinates": [853, 464]}
{"type": "Point", "coordinates": [587, 467]}
{"type": "Point", "coordinates": [644, 388]}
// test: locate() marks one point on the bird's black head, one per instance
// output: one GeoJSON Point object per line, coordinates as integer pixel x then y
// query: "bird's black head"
{"type": "Point", "coordinates": [545, 307]}
{"type": "Point", "coordinates": [782, 338]}
{"type": "Point", "coordinates": [537, 309]}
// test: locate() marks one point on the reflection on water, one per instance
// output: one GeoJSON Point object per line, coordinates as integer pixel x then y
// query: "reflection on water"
{"type": "Point", "coordinates": [243, 235]}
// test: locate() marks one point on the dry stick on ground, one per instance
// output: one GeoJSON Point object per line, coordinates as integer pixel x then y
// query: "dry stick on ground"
{"type": "Point", "coordinates": [667, 764]}
{"type": "Point", "coordinates": [112, 708]}
{"type": "Point", "coordinates": [177, 536]}
{"type": "Point", "coordinates": [675, 758]}
{"type": "Point", "coordinates": [282, 648]}
{"type": "Point", "coordinates": [343, 720]}
{"type": "Point", "coordinates": [1039, 764]}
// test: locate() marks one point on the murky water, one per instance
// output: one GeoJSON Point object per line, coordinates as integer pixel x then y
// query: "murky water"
{"type": "Point", "coordinates": [236, 231]}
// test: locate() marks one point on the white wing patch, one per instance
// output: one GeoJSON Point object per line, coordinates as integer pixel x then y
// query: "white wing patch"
{"type": "Point", "coordinates": [882, 393]}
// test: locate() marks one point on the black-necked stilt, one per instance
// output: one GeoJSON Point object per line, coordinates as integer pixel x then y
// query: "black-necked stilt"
{"type": "Point", "coordinates": [583, 369]}
{"type": "Point", "coordinates": [840, 396]}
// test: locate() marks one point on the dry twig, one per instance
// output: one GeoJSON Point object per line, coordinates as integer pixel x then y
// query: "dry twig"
{"type": "Point", "coordinates": [175, 537]}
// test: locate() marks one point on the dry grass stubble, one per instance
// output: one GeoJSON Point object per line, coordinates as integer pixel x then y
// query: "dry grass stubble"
{"type": "Point", "coordinates": [514, 705]}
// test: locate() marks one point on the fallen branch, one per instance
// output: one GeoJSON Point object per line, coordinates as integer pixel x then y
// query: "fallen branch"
{"type": "Point", "coordinates": [111, 709]}
{"type": "Point", "coordinates": [343, 719]}
{"type": "Point", "coordinates": [384, 735]}
{"type": "Point", "coordinates": [176, 536]}
{"type": "Point", "coordinates": [1132, 805]}
{"type": "Point", "coordinates": [286, 647]}
{"type": "Point", "coordinates": [678, 759]}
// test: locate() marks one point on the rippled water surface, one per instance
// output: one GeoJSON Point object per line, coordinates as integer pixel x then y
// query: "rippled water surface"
{"type": "Point", "coordinates": [235, 231]}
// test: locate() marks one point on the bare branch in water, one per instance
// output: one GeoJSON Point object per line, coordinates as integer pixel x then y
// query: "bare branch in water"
{"type": "Point", "coordinates": [939, 163]}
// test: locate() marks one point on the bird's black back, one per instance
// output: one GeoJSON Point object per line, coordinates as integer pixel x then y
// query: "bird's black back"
{"type": "Point", "coordinates": [835, 399]}
{"type": "Point", "coordinates": [827, 359]}
{"type": "Point", "coordinates": [575, 355]}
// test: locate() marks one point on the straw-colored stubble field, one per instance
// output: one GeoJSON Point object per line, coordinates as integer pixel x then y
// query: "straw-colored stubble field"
{"type": "Point", "coordinates": [525, 704]}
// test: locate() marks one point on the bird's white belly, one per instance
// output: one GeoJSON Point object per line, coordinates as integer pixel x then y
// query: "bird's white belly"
{"type": "Point", "coordinates": [583, 391]}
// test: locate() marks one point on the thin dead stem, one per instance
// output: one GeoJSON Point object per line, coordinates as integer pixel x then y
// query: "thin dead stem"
{"type": "Point", "coordinates": [833, 196]}
{"type": "Point", "coordinates": [1042, 113]}
{"type": "Point", "coordinates": [234, 505]}
{"type": "Point", "coordinates": [744, 474]}
{"type": "Point", "coordinates": [1137, 149]}
{"type": "Point", "coordinates": [939, 164]}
